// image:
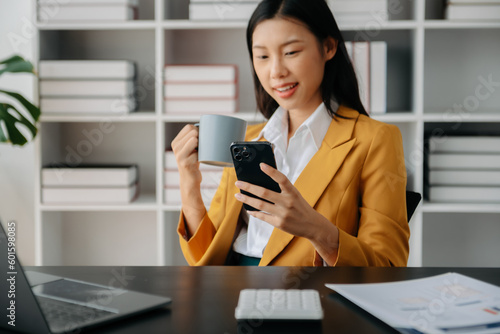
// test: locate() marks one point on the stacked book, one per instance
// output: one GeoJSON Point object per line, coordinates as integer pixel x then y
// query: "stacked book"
{"type": "Point", "coordinates": [472, 10]}
{"type": "Point", "coordinates": [89, 184]}
{"type": "Point", "coordinates": [87, 10]}
{"type": "Point", "coordinates": [222, 10]}
{"type": "Point", "coordinates": [211, 176]}
{"type": "Point", "coordinates": [464, 169]}
{"type": "Point", "coordinates": [359, 11]}
{"type": "Point", "coordinates": [370, 63]}
{"type": "Point", "coordinates": [201, 89]}
{"type": "Point", "coordinates": [87, 86]}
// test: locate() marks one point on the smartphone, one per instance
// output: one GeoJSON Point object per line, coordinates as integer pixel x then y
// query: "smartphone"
{"type": "Point", "coordinates": [246, 159]}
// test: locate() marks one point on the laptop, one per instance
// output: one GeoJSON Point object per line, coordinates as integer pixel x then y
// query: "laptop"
{"type": "Point", "coordinates": [35, 302]}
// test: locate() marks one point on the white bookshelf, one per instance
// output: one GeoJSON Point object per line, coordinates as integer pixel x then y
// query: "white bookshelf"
{"type": "Point", "coordinates": [430, 65]}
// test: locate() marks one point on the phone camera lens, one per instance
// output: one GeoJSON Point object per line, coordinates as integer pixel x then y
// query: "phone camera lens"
{"type": "Point", "coordinates": [238, 157]}
{"type": "Point", "coordinates": [246, 154]}
{"type": "Point", "coordinates": [236, 150]}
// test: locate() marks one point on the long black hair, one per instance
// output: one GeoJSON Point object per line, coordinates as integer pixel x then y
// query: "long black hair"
{"type": "Point", "coordinates": [339, 81]}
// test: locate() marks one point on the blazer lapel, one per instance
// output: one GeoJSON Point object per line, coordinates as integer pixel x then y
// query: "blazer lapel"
{"type": "Point", "coordinates": [318, 173]}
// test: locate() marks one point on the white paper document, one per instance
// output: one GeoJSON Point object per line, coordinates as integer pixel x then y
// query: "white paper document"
{"type": "Point", "coordinates": [449, 303]}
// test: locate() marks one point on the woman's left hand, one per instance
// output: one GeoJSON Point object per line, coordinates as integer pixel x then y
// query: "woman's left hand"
{"type": "Point", "coordinates": [290, 211]}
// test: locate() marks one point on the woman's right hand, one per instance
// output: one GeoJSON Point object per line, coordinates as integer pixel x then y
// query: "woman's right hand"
{"type": "Point", "coordinates": [185, 146]}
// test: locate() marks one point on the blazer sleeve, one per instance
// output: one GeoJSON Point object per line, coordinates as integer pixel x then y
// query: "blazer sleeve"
{"type": "Point", "coordinates": [383, 232]}
{"type": "Point", "coordinates": [211, 241]}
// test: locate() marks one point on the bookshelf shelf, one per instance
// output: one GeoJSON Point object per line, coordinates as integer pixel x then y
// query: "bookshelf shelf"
{"type": "Point", "coordinates": [432, 64]}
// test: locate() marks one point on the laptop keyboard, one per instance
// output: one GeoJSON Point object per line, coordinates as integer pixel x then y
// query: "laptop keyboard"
{"type": "Point", "coordinates": [57, 312]}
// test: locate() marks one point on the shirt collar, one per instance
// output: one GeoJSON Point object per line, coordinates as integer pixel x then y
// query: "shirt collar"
{"type": "Point", "coordinates": [317, 124]}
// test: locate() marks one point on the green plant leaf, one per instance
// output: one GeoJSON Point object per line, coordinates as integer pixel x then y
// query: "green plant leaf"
{"type": "Point", "coordinates": [13, 134]}
{"type": "Point", "coordinates": [12, 59]}
{"type": "Point", "coordinates": [16, 64]}
{"type": "Point", "coordinates": [32, 109]}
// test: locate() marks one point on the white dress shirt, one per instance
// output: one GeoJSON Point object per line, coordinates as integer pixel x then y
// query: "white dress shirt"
{"type": "Point", "coordinates": [291, 158]}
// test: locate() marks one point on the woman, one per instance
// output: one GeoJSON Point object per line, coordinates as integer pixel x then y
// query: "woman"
{"type": "Point", "coordinates": [342, 174]}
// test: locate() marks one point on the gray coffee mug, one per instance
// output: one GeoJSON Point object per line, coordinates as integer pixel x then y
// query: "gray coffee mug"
{"type": "Point", "coordinates": [217, 132]}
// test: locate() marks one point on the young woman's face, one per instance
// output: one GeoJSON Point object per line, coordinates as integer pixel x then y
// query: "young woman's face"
{"type": "Point", "coordinates": [290, 62]}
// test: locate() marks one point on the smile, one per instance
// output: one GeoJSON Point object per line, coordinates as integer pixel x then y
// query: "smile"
{"type": "Point", "coordinates": [284, 89]}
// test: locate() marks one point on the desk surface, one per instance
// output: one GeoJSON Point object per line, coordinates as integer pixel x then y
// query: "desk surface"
{"type": "Point", "coordinates": [204, 298]}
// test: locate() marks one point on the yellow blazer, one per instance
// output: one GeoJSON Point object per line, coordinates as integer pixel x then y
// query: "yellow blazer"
{"type": "Point", "coordinates": [357, 180]}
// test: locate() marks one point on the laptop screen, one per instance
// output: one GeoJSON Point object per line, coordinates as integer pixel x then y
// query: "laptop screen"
{"type": "Point", "coordinates": [20, 310]}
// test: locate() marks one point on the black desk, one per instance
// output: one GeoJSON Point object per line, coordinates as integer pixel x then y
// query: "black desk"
{"type": "Point", "coordinates": [204, 298]}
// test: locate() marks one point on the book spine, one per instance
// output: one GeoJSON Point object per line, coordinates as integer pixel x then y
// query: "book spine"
{"type": "Point", "coordinates": [73, 13]}
{"type": "Point", "coordinates": [90, 177]}
{"type": "Point", "coordinates": [469, 178]}
{"type": "Point", "coordinates": [464, 194]}
{"type": "Point", "coordinates": [361, 51]}
{"type": "Point", "coordinates": [464, 161]}
{"type": "Point", "coordinates": [465, 144]}
{"type": "Point", "coordinates": [200, 107]}
{"type": "Point", "coordinates": [221, 11]}
{"type": "Point", "coordinates": [83, 105]}
{"type": "Point", "coordinates": [86, 88]}
{"type": "Point", "coordinates": [472, 12]}
{"type": "Point", "coordinates": [378, 77]}
{"type": "Point", "coordinates": [201, 73]}
{"type": "Point", "coordinates": [89, 195]}
{"type": "Point", "coordinates": [86, 69]}
{"type": "Point", "coordinates": [213, 90]}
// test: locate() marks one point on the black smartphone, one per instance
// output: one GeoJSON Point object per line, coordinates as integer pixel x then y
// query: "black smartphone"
{"type": "Point", "coordinates": [246, 159]}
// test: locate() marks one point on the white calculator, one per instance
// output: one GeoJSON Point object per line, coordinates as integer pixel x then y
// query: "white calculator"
{"type": "Point", "coordinates": [279, 304]}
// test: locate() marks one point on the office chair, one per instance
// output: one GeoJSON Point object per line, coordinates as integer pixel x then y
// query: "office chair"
{"type": "Point", "coordinates": [412, 200]}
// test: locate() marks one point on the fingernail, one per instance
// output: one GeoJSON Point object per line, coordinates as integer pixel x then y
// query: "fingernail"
{"type": "Point", "coordinates": [237, 184]}
{"type": "Point", "coordinates": [238, 196]}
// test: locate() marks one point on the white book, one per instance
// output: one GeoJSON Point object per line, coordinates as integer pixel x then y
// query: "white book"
{"type": "Point", "coordinates": [133, 3]}
{"type": "Point", "coordinates": [89, 195]}
{"type": "Point", "coordinates": [89, 175]}
{"type": "Point", "coordinates": [473, 2]}
{"type": "Point", "coordinates": [465, 144]}
{"type": "Point", "coordinates": [464, 194]}
{"type": "Point", "coordinates": [81, 88]}
{"type": "Point", "coordinates": [472, 12]}
{"type": "Point", "coordinates": [87, 105]}
{"type": "Point", "coordinates": [224, 1]}
{"type": "Point", "coordinates": [361, 54]}
{"type": "Point", "coordinates": [221, 11]}
{"type": "Point", "coordinates": [348, 47]}
{"type": "Point", "coordinates": [172, 196]}
{"type": "Point", "coordinates": [171, 164]}
{"type": "Point", "coordinates": [464, 161]}
{"type": "Point", "coordinates": [210, 178]}
{"type": "Point", "coordinates": [464, 177]}
{"type": "Point", "coordinates": [201, 106]}
{"type": "Point", "coordinates": [201, 73]}
{"type": "Point", "coordinates": [378, 77]}
{"type": "Point", "coordinates": [85, 13]}
{"type": "Point", "coordinates": [199, 90]}
{"type": "Point", "coordinates": [86, 69]}
{"type": "Point", "coordinates": [346, 18]}
{"type": "Point", "coordinates": [359, 6]}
